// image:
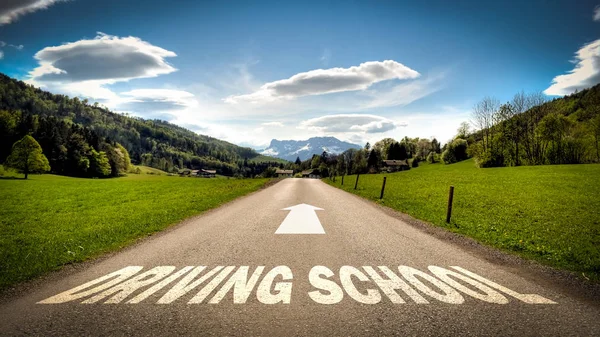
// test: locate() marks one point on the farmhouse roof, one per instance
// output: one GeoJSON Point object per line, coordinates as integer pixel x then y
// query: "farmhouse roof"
{"type": "Point", "coordinates": [209, 171]}
{"type": "Point", "coordinates": [307, 172]}
{"type": "Point", "coordinates": [284, 172]}
{"type": "Point", "coordinates": [395, 162]}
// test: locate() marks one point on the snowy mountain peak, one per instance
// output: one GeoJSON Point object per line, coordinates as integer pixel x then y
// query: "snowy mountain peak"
{"type": "Point", "coordinates": [305, 149]}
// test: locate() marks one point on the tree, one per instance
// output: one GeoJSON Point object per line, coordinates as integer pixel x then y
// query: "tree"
{"type": "Point", "coordinates": [374, 160]}
{"type": "Point", "coordinates": [367, 146]}
{"type": "Point", "coordinates": [423, 148]}
{"type": "Point", "coordinates": [410, 145]}
{"type": "Point", "coordinates": [594, 128]}
{"type": "Point", "coordinates": [483, 116]}
{"type": "Point", "coordinates": [315, 162]}
{"type": "Point", "coordinates": [99, 164]}
{"type": "Point", "coordinates": [463, 130]}
{"type": "Point", "coordinates": [27, 157]}
{"type": "Point", "coordinates": [455, 151]}
{"type": "Point", "coordinates": [298, 161]}
{"type": "Point", "coordinates": [360, 161]}
{"type": "Point", "coordinates": [436, 146]}
{"type": "Point", "coordinates": [383, 146]}
{"type": "Point", "coordinates": [397, 151]}
{"type": "Point", "coordinates": [324, 157]}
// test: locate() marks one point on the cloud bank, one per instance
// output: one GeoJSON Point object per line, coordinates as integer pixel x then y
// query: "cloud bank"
{"type": "Point", "coordinates": [360, 123]}
{"type": "Point", "coordinates": [11, 10]}
{"type": "Point", "coordinates": [585, 74]}
{"type": "Point", "coordinates": [325, 81]}
{"type": "Point", "coordinates": [597, 13]}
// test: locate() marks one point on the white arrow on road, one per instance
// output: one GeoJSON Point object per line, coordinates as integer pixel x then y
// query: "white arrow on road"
{"type": "Point", "coordinates": [302, 219]}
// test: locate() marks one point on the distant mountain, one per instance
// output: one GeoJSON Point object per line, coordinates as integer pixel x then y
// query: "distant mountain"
{"type": "Point", "coordinates": [290, 149]}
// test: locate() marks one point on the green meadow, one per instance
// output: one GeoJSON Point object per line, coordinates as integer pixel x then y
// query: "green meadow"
{"type": "Point", "coordinates": [547, 213]}
{"type": "Point", "coordinates": [48, 221]}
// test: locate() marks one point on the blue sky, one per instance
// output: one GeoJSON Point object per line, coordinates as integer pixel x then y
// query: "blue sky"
{"type": "Point", "coordinates": [247, 73]}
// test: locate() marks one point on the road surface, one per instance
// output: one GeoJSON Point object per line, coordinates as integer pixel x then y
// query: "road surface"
{"type": "Point", "coordinates": [227, 272]}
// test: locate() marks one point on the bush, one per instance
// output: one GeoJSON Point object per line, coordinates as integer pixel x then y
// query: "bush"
{"type": "Point", "coordinates": [448, 157]}
{"type": "Point", "coordinates": [455, 151]}
{"type": "Point", "coordinates": [270, 173]}
{"type": "Point", "coordinates": [433, 158]}
{"type": "Point", "coordinates": [415, 162]}
{"type": "Point", "coordinates": [489, 159]}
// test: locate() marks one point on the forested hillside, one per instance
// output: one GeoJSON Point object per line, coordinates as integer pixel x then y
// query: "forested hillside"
{"type": "Point", "coordinates": [528, 130]}
{"type": "Point", "coordinates": [74, 134]}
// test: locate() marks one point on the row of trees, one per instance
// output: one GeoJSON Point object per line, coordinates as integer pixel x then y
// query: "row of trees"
{"type": "Point", "coordinates": [70, 149]}
{"type": "Point", "coordinates": [370, 158]}
{"type": "Point", "coordinates": [529, 130]}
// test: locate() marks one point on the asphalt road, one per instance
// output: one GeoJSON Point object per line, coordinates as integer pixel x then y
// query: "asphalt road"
{"type": "Point", "coordinates": [312, 284]}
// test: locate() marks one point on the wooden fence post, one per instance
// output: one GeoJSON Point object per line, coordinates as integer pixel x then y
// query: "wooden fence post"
{"type": "Point", "coordinates": [356, 183]}
{"type": "Point", "coordinates": [382, 188]}
{"type": "Point", "coordinates": [342, 180]}
{"type": "Point", "coordinates": [450, 197]}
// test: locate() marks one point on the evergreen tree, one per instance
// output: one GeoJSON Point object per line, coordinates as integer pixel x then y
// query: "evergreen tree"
{"type": "Point", "coordinates": [374, 159]}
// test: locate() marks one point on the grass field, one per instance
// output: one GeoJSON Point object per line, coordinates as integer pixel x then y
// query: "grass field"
{"type": "Point", "coordinates": [149, 170]}
{"type": "Point", "coordinates": [48, 221]}
{"type": "Point", "coordinates": [548, 213]}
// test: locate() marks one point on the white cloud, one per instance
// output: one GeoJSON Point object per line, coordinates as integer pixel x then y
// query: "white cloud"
{"type": "Point", "coordinates": [105, 58]}
{"type": "Point", "coordinates": [585, 74]}
{"type": "Point", "coordinates": [278, 124]}
{"type": "Point", "coordinates": [155, 100]}
{"type": "Point", "coordinates": [403, 93]}
{"type": "Point", "coordinates": [325, 81]}
{"type": "Point", "coordinates": [11, 10]}
{"type": "Point", "coordinates": [4, 44]}
{"type": "Point", "coordinates": [86, 67]}
{"type": "Point", "coordinates": [351, 123]}
{"type": "Point", "coordinates": [597, 13]}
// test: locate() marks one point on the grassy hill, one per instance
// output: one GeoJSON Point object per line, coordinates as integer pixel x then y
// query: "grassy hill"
{"type": "Point", "coordinates": [548, 213]}
{"type": "Point", "coordinates": [148, 170]}
{"type": "Point", "coordinates": [48, 220]}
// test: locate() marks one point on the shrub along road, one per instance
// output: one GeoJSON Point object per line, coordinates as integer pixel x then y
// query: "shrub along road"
{"type": "Point", "coordinates": [550, 213]}
{"type": "Point", "coordinates": [227, 273]}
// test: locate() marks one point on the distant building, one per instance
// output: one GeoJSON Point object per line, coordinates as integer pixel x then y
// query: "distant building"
{"type": "Point", "coordinates": [207, 173]}
{"type": "Point", "coordinates": [284, 173]}
{"type": "Point", "coordinates": [313, 174]}
{"type": "Point", "coordinates": [395, 165]}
